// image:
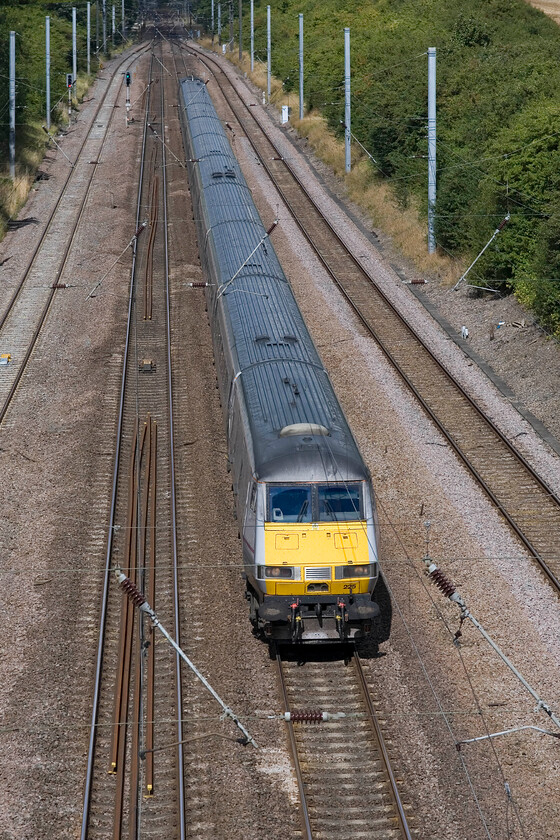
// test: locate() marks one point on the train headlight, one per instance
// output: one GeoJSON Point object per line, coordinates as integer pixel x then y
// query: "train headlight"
{"type": "Point", "coordinates": [279, 572]}
{"type": "Point", "coordinates": [366, 570]}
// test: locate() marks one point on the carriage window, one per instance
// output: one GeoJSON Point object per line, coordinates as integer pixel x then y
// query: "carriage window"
{"type": "Point", "coordinates": [339, 502]}
{"type": "Point", "coordinates": [289, 503]}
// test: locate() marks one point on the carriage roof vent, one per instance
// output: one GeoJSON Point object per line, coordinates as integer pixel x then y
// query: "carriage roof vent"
{"type": "Point", "coordinates": [285, 341]}
{"type": "Point", "coordinates": [226, 173]}
{"type": "Point", "coordinates": [304, 429]}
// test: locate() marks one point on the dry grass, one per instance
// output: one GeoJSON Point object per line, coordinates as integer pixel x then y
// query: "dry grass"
{"type": "Point", "coordinates": [258, 76]}
{"type": "Point", "coordinates": [549, 7]}
{"type": "Point", "coordinates": [81, 87]}
{"type": "Point", "coordinates": [13, 194]}
{"type": "Point", "coordinates": [375, 196]}
{"type": "Point", "coordinates": [325, 145]}
{"type": "Point", "coordinates": [404, 225]}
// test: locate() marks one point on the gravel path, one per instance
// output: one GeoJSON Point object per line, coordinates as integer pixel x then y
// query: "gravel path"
{"type": "Point", "coordinates": [549, 7]}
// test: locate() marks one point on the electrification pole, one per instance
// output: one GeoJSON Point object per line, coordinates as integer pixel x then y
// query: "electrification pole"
{"type": "Point", "coordinates": [301, 66]}
{"type": "Point", "coordinates": [347, 108]}
{"type": "Point", "coordinates": [212, 20]}
{"type": "Point", "coordinates": [268, 53]}
{"type": "Point", "coordinates": [230, 15]}
{"type": "Point", "coordinates": [12, 96]}
{"type": "Point", "coordinates": [219, 24]}
{"type": "Point", "coordinates": [88, 37]}
{"type": "Point", "coordinates": [252, 35]}
{"type": "Point", "coordinates": [74, 51]}
{"type": "Point", "coordinates": [431, 149]}
{"type": "Point", "coordinates": [123, 21]}
{"type": "Point", "coordinates": [48, 69]}
{"type": "Point", "coordinates": [113, 26]}
{"type": "Point", "coordinates": [240, 30]}
{"type": "Point", "coordinates": [104, 15]}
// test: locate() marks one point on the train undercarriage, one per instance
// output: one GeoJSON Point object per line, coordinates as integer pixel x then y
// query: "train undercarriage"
{"type": "Point", "coordinates": [312, 618]}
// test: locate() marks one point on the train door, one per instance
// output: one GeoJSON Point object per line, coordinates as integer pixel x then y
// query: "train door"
{"type": "Point", "coordinates": [250, 523]}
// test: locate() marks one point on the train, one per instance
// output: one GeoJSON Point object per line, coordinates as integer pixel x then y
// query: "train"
{"type": "Point", "coordinates": [303, 495]}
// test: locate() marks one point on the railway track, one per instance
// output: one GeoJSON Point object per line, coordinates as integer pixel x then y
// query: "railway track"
{"type": "Point", "coordinates": [346, 784]}
{"type": "Point", "coordinates": [344, 791]}
{"type": "Point", "coordinates": [137, 814]}
{"type": "Point", "coordinates": [26, 311]}
{"type": "Point", "coordinates": [134, 776]}
{"type": "Point", "coordinates": [523, 498]}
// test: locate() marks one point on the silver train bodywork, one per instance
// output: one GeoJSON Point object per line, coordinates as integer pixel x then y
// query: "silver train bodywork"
{"type": "Point", "coordinates": [303, 495]}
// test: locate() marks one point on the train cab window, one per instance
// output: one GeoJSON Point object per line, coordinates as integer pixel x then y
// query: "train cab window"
{"type": "Point", "coordinates": [339, 502]}
{"type": "Point", "coordinates": [289, 503]}
{"type": "Point", "coordinates": [253, 499]}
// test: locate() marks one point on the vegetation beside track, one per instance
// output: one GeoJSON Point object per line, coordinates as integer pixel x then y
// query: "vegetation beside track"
{"type": "Point", "coordinates": [27, 19]}
{"type": "Point", "coordinates": [498, 105]}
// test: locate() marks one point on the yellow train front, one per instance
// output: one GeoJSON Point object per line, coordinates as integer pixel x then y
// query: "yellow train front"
{"type": "Point", "coordinates": [310, 547]}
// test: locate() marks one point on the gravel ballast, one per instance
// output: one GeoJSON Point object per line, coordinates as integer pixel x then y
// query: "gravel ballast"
{"type": "Point", "coordinates": [56, 465]}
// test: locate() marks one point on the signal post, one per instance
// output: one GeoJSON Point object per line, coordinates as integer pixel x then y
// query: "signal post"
{"type": "Point", "coordinates": [69, 85]}
{"type": "Point", "coordinates": [127, 83]}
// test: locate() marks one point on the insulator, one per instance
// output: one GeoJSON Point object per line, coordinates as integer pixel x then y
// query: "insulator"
{"type": "Point", "coordinates": [196, 284]}
{"type": "Point", "coordinates": [132, 592]}
{"type": "Point", "coordinates": [442, 582]}
{"type": "Point", "coordinates": [306, 716]}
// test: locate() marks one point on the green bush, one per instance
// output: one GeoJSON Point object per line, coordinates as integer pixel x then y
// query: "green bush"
{"type": "Point", "coordinates": [27, 19]}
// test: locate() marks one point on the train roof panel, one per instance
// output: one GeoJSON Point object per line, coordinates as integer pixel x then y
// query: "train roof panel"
{"type": "Point", "coordinates": [279, 371]}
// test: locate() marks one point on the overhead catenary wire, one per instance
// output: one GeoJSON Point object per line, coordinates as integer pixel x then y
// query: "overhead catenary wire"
{"type": "Point", "coordinates": [449, 590]}
{"type": "Point", "coordinates": [506, 155]}
{"type": "Point", "coordinates": [48, 724]}
{"type": "Point", "coordinates": [112, 513]}
{"type": "Point", "coordinates": [131, 244]}
{"type": "Point", "coordinates": [442, 712]}
{"type": "Point", "coordinates": [84, 571]}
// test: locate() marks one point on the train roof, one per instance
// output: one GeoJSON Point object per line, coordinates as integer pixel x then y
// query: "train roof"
{"type": "Point", "coordinates": [298, 429]}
